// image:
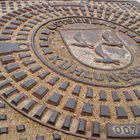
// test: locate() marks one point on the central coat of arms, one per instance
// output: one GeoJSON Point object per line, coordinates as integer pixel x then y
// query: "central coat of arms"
{"type": "Point", "coordinates": [97, 48]}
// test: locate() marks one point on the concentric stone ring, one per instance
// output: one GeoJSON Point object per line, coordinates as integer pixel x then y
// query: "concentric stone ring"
{"type": "Point", "coordinates": [73, 67]}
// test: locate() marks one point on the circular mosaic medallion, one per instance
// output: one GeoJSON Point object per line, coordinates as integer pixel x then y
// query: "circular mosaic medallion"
{"type": "Point", "coordinates": [88, 50]}
{"type": "Point", "coordinates": [73, 68]}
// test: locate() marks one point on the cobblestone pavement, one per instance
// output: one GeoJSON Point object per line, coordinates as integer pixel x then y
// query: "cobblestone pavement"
{"type": "Point", "coordinates": [69, 70]}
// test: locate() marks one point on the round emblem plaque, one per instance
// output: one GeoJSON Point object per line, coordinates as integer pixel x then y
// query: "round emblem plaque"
{"type": "Point", "coordinates": [73, 68]}
{"type": "Point", "coordinates": [88, 50]}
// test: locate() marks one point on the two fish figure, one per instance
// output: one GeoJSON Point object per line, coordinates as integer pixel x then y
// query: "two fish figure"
{"type": "Point", "coordinates": [110, 40]}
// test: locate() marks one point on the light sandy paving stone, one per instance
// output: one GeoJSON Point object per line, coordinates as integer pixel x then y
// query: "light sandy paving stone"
{"type": "Point", "coordinates": [69, 70]}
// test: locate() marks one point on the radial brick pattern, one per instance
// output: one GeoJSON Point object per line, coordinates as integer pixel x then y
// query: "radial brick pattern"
{"type": "Point", "coordinates": [69, 70]}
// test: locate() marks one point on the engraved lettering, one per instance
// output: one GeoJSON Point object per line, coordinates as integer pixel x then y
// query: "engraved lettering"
{"type": "Point", "coordinates": [118, 130]}
{"type": "Point", "coordinates": [125, 130]}
{"type": "Point", "coordinates": [55, 59]}
{"type": "Point", "coordinates": [88, 75]}
{"type": "Point", "coordinates": [124, 76]}
{"type": "Point", "coordinates": [112, 77]}
{"type": "Point", "coordinates": [76, 71]}
{"type": "Point", "coordinates": [134, 73]}
{"type": "Point", "coordinates": [65, 65]}
{"type": "Point", "coordinates": [98, 77]}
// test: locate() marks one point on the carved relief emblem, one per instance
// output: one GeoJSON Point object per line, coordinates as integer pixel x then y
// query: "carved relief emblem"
{"type": "Point", "coordinates": [98, 48]}
{"type": "Point", "coordinates": [88, 50]}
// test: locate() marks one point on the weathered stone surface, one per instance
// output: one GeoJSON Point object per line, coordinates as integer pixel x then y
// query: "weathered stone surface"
{"type": "Point", "coordinates": [68, 68]}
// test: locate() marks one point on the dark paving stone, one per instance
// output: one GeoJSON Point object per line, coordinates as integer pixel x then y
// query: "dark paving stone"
{"type": "Point", "coordinates": [2, 105]}
{"type": "Point", "coordinates": [21, 56]}
{"type": "Point", "coordinates": [41, 92]}
{"type": "Point", "coordinates": [16, 22]}
{"type": "Point", "coordinates": [11, 67]}
{"type": "Point", "coordinates": [43, 16]}
{"type": "Point", "coordinates": [21, 19]}
{"type": "Point", "coordinates": [34, 13]}
{"type": "Point", "coordinates": [6, 17]}
{"type": "Point", "coordinates": [28, 15]}
{"type": "Point", "coordinates": [121, 113]}
{"type": "Point", "coordinates": [81, 126]}
{"type": "Point", "coordinates": [29, 25]}
{"type": "Point", "coordinates": [115, 96]}
{"type": "Point", "coordinates": [43, 37]}
{"type": "Point", "coordinates": [123, 30]}
{"type": "Point", "coordinates": [89, 93]}
{"type": "Point", "coordinates": [53, 80]}
{"type": "Point", "coordinates": [132, 35]}
{"type": "Point", "coordinates": [18, 76]}
{"type": "Point", "coordinates": [127, 96]}
{"type": "Point", "coordinates": [3, 117]}
{"type": "Point", "coordinates": [29, 106]}
{"type": "Point", "coordinates": [29, 84]}
{"type": "Point", "coordinates": [53, 118]}
{"type": "Point", "coordinates": [22, 33]}
{"type": "Point", "coordinates": [40, 138]}
{"type": "Point", "coordinates": [2, 77]}
{"type": "Point", "coordinates": [33, 22]}
{"type": "Point", "coordinates": [137, 40]}
{"type": "Point", "coordinates": [10, 92]}
{"type": "Point", "coordinates": [11, 26]}
{"type": "Point", "coordinates": [40, 112]}
{"type": "Point", "coordinates": [4, 38]}
{"type": "Point", "coordinates": [46, 32]}
{"type": "Point", "coordinates": [135, 110]}
{"type": "Point", "coordinates": [137, 93]}
{"type": "Point", "coordinates": [134, 27]}
{"type": "Point", "coordinates": [18, 99]}
{"type": "Point", "coordinates": [16, 12]}
{"type": "Point", "coordinates": [67, 122]}
{"type": "Point", "coordinates": [23, 139]}
{"type": "Point", "coordinates": [70, 104]}
{"type": "Point", "coordinates": [104, 111]}
{"type": "Point", "coordinates": [96, 129]}
{"type": "Point", "coordinates": [43, 75]}
{"type": "Point", "coordinates": [5, 83]}
{"type": "Point", "coordinates": [20, 10]}
{"type": "Point", "coordinates": [33, 7]}
{"type": "Point", "coordinates": [55, 99]}
{"type": "Point", "coordinates": [109, 13]}
{"type": "Point", "coordinates": [128, 24]}
{"type": "Point", "coordinates": [87, 109]}
{"type": "Point", "coordinates": [3, 130]}
{"type": "Point", "coordinates": [25, 29]}
{"type": "Point", "coordinates": [76, 90]}
{"type": "Point", "coordinates": [7, 59]}
{"type": "Point", "coordinates": [20, 128]}
{"type": "Point", "coordinates": [44, 44]}
{"type": "Point", "coordinates": [26, 63]}
{"type": "Point", "coordinates": [38, 19]}
{"type": "Point", "coordinates": [64, 85]}
{"type": "Point", "coordinates": [3, 20]}
{"type": "Point", "coordinates": [47, 51]}
{"type": "Point", "coordinates": [56, 136]}
{"type": "Point", "coordinates": [23, 38]}
{"type": "Point", "coordinates": [102, 95]}
{"type": "Point", "coordinates": [35, 69]}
